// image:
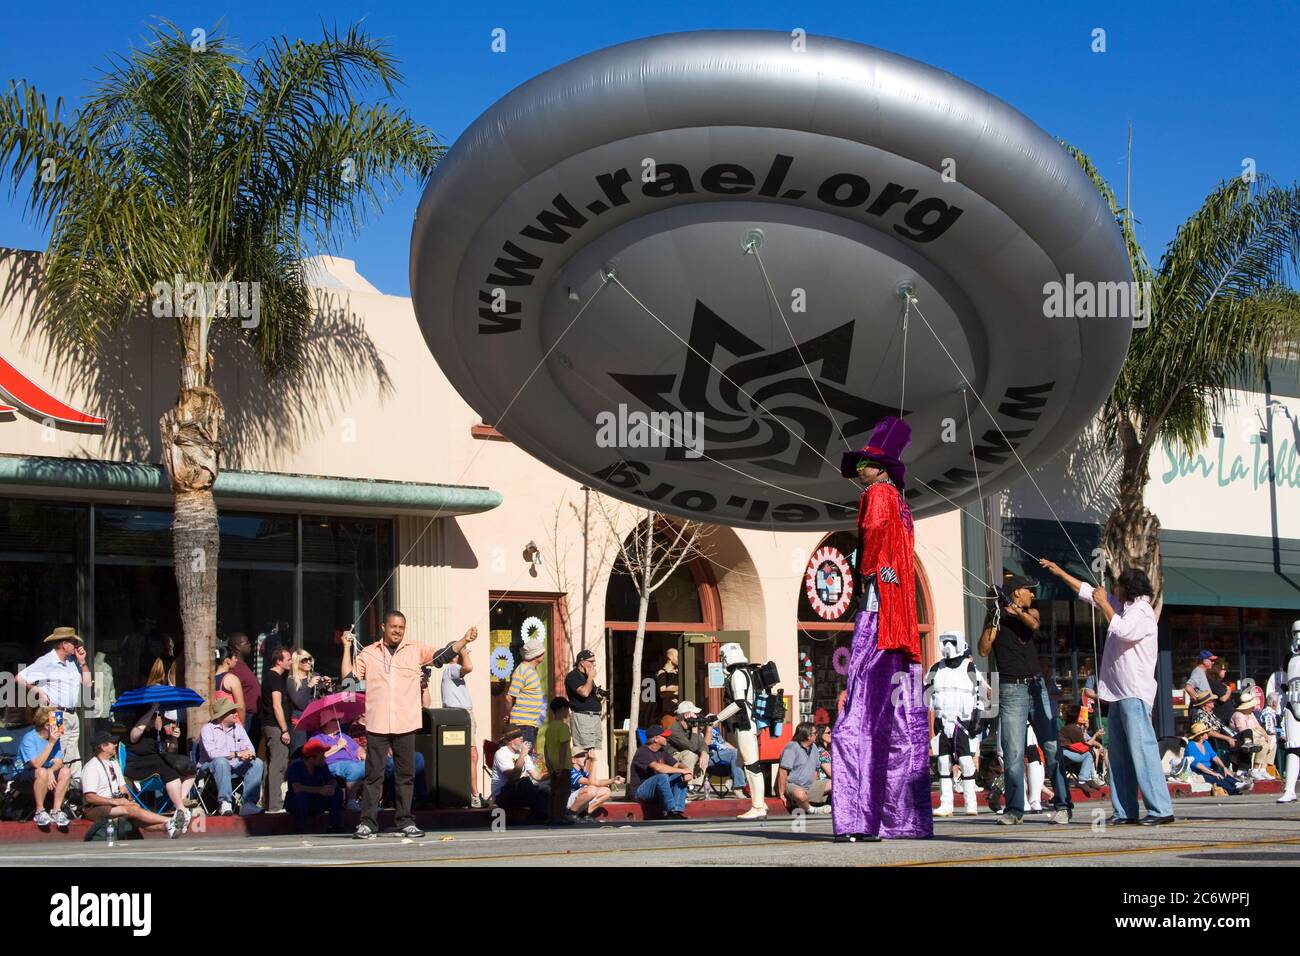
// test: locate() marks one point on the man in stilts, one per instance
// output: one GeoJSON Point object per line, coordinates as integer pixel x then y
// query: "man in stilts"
{"type": "Point", "coordinates": [880, 752]}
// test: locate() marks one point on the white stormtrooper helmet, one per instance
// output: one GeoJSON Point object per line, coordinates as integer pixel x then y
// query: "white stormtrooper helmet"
{"type": "Point", "coordinates": [952, 645]}
{"type": "Point", "coordinates": [732, 655]}
{"type": "Point", "coordinates": [1295, 637]}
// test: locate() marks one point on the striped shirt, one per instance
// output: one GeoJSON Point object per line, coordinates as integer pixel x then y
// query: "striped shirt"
{"type": "Point", "coordinates": [526, 689]}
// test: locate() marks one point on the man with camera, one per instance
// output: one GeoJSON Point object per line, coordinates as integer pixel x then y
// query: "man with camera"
{"type": "Point", "coordinates": [688, 740]}
{"type": "Point", "coordinates": [1022, 697]}
{"type": "Point", "coordinates": [584, 703]}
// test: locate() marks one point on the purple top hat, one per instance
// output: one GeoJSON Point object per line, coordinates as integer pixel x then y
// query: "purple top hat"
{"type": "Point", "coordinates": [885, 449]}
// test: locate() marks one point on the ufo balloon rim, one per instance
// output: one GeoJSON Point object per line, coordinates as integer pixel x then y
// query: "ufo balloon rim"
{"type": "Point", "coordinates": [717, 225]}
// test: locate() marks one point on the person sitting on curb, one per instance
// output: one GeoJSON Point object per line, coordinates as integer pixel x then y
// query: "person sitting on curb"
{"type": "Point", "coordinates": [313, 789]}
{"type": "Point", "coordinates": [105, 796]}
{"type": "Point", "coordinates": [1076, 749]}
{"type": "Point", "coordinates": [586, 792]}
{"type": "Point", "coordinates": [1208, 764]}
{"type": "Point", "coordinates": [41, 766]}
{"type": "Point", "coordinates": [654, 777]}
{"type": "Point", "coordinates": [689, 744]}
{"type": "Point", "coordinates": [226, 752]}
{"type": "Point", "coordinates": [516, 781]}
{"type": "Point", "coordinates": [796, 778]}
{"type": "Point", "coordinates": [1252, 735]}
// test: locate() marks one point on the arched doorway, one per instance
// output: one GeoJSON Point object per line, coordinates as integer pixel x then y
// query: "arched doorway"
{"type": "Point", "coordinates": [682, 611]}
{"type": "Point", "coordinates": [826, 624]}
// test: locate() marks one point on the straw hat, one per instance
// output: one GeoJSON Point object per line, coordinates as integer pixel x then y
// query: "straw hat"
{"type": "Point", "coordinates": [222, 707]}
{"type": "Point", "coordinates": [60, 634]}
{"type": "Point", "coordinates": [1199, 728]}
{"type": "Point", "coordinates": [1247, 701]}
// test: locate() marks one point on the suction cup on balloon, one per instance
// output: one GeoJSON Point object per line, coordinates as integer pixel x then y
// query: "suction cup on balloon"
{"type": "Point", "coordinates": [753, 241]}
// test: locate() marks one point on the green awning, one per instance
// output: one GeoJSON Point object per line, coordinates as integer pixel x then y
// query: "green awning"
{"type": "Point", "coordinates": [1225, 587]}
{"type": "Point", "coordinates": [140, 479]}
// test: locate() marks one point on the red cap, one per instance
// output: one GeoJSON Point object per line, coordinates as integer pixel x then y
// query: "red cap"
{"type": "Point", "coordinates": [314, 748]}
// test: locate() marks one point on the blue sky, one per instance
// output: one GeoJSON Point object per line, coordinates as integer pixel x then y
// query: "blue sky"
{"type": "Point", "coordinates": [1205, 85]}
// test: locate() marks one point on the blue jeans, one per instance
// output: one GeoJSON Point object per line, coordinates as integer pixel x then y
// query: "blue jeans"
{"type": "Point", "coordinates": [349, 771]}
{"type": "Point", "coordinates": [223, 774]}
{"type": "Point", "coordinates": [304, 805]}
{"type": "Point", "coordinates": [421, 785]}
{"type": "Point", "coordinates": [1018, 706]}
{"type": "Point", "coordinates": [1082, 761]}
{"type": "Point", "coordinates": [725, 754]}
{"type": "Point", "coordinates": [1135, 762]}
{"type": "Point", "coordinates": [666, 789]}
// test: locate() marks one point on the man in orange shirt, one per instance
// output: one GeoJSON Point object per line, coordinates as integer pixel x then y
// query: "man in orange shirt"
{"type": "Point", "coordinates": [391, 669]}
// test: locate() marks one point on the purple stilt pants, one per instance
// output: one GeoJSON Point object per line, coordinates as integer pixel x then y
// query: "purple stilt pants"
{"type": "Point", "coordinates": [880, 748]}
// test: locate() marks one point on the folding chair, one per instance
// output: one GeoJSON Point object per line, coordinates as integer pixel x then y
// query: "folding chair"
{"type": "Point", "coordinates": [205, 789]}
{"type": "Point", "coordinates": [151, 786]}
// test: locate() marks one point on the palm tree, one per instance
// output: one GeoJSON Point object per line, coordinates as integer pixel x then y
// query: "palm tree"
{"type": "Point", "coordinates": [193, 166]}
{"type": "Point", "coordinates": [1220, 308]}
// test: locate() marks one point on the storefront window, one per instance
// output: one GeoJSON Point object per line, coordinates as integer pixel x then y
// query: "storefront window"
{"type": "Point", "coordinates": [512, 623]}
{"type": "Point", "coordinates": [42, 557]}
{"type": "Point", "coordinates": [123, 600]}
{"type": "Point", "coordinates": [345, 563]}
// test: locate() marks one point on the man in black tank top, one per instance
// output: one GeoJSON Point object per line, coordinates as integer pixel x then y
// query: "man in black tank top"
{"type": "Point", "coordinates": [1023, 698]}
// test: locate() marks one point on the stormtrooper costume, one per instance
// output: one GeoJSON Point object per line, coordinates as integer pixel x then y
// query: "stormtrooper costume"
{"type": "Point", "coordinates": [957, 693]}
{"type": "Point", "coordinates": [743, 694]}
{"type": "Point", "coordinates": [1291, 716]}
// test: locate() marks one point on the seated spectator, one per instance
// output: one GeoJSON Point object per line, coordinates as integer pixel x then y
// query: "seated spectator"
{"type": "Point", "coordinates": [313, 789]}
{"type": "Point", "coordinates": [226, 752]}
{"type": "Point", "coordinates": [1252, 736]}
{"type": "Point", "coordinates": [689, 744]}
{"type": "Point", "coordinates": [1202, 711]}
{"type": "Point", "coordinates": [1075, 746]}
{"type": "Point", "coordinates": [151, 749]}
{"type": "Point", "coordinates": [654, 777]}
{"type": "Point", "coordinates": [796, 776]}
{"type": "Point", "coordinates": [586, 792]}
{"type": "Point", "coordinates": [104, 793]}
{"type": "Point", "coordinates": [41, 766]}
{"type": "Point", "coordinates": [516, 781]}
{"type": "Point", "coordinates": [347, 762]}
{"type": "Point", "coordinates": [723, 754]}
{"type": "Point", "coordinates": [1204, 761]}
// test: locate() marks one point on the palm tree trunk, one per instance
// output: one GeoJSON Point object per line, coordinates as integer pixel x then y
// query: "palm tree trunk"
{"type": "Point", "coordinates": [191, 439]}
{"type": "Point", "coordinates": [1131, 536]}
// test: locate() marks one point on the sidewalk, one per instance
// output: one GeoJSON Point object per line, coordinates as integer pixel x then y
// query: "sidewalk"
{"type": "Point", "coordinates": [459, 819]}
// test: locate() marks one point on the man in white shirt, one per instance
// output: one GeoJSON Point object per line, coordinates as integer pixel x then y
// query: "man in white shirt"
{"type": "Point", "coordinates": [1127, 681]}
{"type": "Point", "coordinates": [516, 781]}
{"type": "Point", "coordinates": [59, 680]}
{"type": "Point", "coordinates": [105, 794]}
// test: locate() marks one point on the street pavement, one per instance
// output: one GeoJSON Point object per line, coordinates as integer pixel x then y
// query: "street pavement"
{"type": "Point", "coordinates": [1209, 832]}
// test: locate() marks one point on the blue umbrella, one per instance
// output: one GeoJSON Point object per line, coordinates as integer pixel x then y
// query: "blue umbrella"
{"type": "Point", "coordinates": [165, 696]}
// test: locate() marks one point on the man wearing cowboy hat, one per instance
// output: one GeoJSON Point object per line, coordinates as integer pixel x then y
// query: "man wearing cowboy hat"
{"type": "Point", "coordinates": [527, 703]}
{"type": "Point", "coordinates": [60, 679]}
{"type": "Point", "coordinates": [226, 752]}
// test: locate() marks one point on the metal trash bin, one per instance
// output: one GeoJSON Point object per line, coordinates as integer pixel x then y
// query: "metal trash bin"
{"type": "Point", "coordinates": [447, 767]}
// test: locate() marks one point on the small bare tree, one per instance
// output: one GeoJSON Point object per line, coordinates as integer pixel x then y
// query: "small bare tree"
{"type": "Point", "coordinates": [598, 543]}
{"type": "Point", "coordinates": [657, 547]}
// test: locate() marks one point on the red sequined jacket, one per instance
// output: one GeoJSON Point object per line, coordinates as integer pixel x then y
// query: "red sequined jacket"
{"type": "Point", "coordinates": [885, 550]}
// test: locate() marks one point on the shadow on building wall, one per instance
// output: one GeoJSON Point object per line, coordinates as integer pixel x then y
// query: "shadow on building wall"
{"type": "Point", "coordinates": [132, 378]}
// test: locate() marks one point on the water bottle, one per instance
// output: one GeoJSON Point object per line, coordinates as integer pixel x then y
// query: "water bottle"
{"type": "Point", "coordinates": [111, 829]}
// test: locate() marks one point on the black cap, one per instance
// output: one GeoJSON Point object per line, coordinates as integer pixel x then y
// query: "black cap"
{"type": "Point", "coordinates": [102, 737]}
{"type": "Point", "coordinates": [585, 656]}
{"type": "Point", "coordinates": [1015, 583]}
